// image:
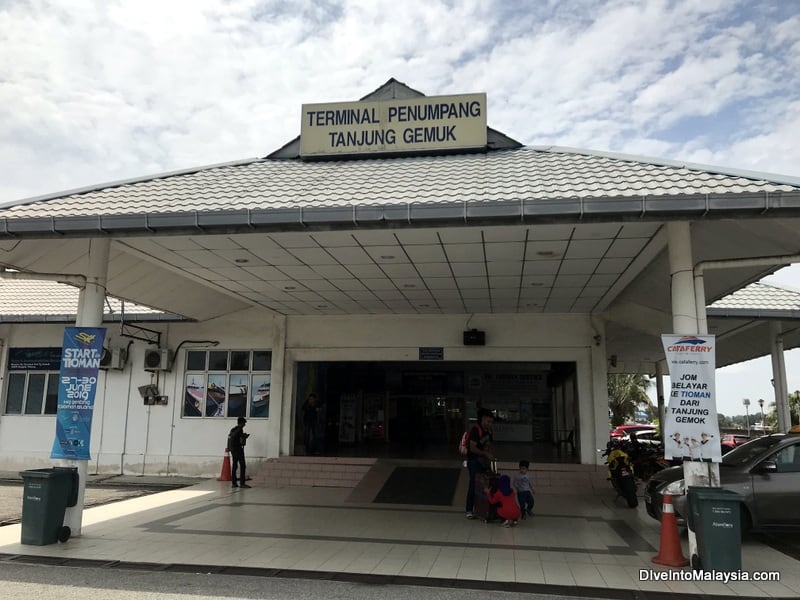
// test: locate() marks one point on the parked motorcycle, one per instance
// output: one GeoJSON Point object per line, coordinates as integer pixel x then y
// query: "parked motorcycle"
{"type": "Point", "coordinates": [620, 472]}
{"type": "Point", "coordinates": [645, 460]}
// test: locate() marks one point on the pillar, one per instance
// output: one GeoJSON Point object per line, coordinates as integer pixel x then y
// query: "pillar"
{"type": "Point", "coordinates": [681, 270]}
{"type": "Point", "coordinates": [685, 310]}
{"type": "Point", "coordinates": [281, 419]}
{"type": "Point", "coordinates": [660, 397]}
{"type": "Point", "coordinates": [599, 394]}
{"type": "Point", "coordinates": [779, 379]}
{"type": "Point", "coordinates": [91, 301]}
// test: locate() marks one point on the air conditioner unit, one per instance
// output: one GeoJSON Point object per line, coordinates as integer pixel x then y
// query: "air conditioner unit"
{"type": "Point", "coordinates": [114, 359]}
{"type": "Point", "coordinates": [157, 359]}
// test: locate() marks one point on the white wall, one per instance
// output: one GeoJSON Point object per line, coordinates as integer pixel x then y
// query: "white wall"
{"type": "Point", "coordinates": [132, 438]}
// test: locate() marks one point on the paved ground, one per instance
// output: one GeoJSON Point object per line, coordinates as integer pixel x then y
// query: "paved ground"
{"type": "Point", "coordinates": [582, 545]}
{"type": "Point", "coordinates": [100, 489]}
{"type": "Point", "coordinates": [323, 542]}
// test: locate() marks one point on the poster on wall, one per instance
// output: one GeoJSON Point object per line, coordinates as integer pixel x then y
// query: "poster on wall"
{"type": "Point", "coordinates": [194, 395]}
{"type": "Point", "coordinates": [77, 384]}
{"type": "Point", "coordinates": [34, 359]}
{"type": "Point", "coordinates": [691, 429]}
{"type": "Point", "coordinates": [259, 403]}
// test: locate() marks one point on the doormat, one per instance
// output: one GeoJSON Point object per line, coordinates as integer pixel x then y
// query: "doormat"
{"type": "Point", "coordinates": [419, 485]}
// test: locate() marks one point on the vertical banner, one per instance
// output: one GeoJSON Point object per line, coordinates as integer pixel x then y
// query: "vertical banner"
{"type": "Point", "coordinates": [691, 429]}
{"type": "Point", "coordinates": [77, 384]}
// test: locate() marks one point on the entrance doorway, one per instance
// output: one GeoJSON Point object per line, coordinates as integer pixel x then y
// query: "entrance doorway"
{"type": "Point", "coordinates": [420, 410]}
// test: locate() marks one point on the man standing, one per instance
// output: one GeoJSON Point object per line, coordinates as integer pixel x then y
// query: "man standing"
{"type": "Point", "coordinates": [479, 456]}
{"type": "Point", "coordinates": [237, 439]}
{"type": "Point", "coordinates": [311, 418]}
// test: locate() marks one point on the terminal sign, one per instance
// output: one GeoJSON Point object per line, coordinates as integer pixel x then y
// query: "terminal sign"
{"type": "Point", "coordinates": [394, 126]}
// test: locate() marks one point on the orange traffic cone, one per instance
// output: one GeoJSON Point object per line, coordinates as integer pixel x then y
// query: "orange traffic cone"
{"type": "Point", "coordinates": [669, 549]}
{"type": "Point", "coordinates": [225, 475]}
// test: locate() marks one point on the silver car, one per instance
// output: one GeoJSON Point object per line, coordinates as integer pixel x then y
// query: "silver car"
{"type": "Point", "coordinates": [765, 472]}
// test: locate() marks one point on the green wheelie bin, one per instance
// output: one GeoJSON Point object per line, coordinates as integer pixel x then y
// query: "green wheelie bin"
{"type": "Point", "coordinates": [714, 517]}
{"type": "Point", "coordinates": [46, 495]}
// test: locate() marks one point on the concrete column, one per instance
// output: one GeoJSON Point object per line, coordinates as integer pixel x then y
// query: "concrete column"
{"type": "Point", "coordinates": [660, 397]}
{"type": "Point", "coordinates": [681, 270]}
{"type": "Point", "coordinates": [90, 314]}
{"type": "Point", "coordinates": [779, 379]}
{"type": "Point", "coordinates": [700, 304]}
{"type": "Point", "coordinates": [599, 363]}
{"type": "Point", "coordinates": [684, 321]}
{"type": "Point", "coordinates": [280, 422]}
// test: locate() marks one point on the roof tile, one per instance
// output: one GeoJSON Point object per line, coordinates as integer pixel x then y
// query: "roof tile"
{"type": "Point", "coordinates": [523, 173]}
{"type": "Point", "coordinates": [760, 296]}
{"type": "Point", "coordinates": [39, 298]}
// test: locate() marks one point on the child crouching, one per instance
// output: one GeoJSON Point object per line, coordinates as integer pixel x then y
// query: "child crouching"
{"type": "Point", "coordinates": [506, 502]}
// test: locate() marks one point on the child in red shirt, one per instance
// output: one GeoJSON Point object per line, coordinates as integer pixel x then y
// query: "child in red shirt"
{"type": "Point", "coordinates": [506, 501]}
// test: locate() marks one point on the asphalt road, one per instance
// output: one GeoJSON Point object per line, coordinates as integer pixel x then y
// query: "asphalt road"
{"type": "Point", "coordinates": [38, 582]}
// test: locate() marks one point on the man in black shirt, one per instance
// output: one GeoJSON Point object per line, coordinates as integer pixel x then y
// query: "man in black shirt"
{"type": "Point", "coordinates": [237, 439]}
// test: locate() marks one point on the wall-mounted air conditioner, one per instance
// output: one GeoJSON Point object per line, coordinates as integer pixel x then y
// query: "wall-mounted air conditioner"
{"type": "Point", "coordinates": [157, 359]}
{"type": "Point", "coordinates": [114, 359]}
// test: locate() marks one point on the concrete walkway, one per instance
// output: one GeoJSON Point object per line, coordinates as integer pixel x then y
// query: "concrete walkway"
{"type": "Point", "coordinates": [575, 544]}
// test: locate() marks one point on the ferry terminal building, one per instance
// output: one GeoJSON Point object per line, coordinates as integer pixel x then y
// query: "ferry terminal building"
{"type": "Point", "coordinates": [405, 262]}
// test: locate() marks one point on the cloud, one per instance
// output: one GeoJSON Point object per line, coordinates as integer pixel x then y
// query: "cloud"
{"type": "Point", "coordinates": [91, 92]}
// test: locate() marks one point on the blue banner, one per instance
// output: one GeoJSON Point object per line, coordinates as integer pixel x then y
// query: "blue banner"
{"type": "Point", "coordinates": [77, 384]}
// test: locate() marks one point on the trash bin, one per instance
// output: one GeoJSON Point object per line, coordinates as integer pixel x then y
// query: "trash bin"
{"type": "Point", "coordinates": [46, 495]}
{"type": "Point", "coordinates": [714, 518]}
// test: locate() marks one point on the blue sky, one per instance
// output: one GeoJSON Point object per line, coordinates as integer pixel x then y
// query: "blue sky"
{"type": "Point", "coordinates": [99, 91]}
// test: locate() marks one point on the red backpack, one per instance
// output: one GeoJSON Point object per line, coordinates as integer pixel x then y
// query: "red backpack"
{"type": "Point", "coordinates": [463, 445]}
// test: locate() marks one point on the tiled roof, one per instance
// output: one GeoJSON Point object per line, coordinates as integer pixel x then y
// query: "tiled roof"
{"type": "Point", "coordinates": [759, 297]}
{"type": "Point", "coordinates": [26, 300]}
{"type": "Point", "coordinates": [524, 173]}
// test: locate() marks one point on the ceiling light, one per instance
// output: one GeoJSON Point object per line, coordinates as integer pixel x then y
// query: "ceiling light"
{"type": "Point", "coordinates": [387, 257]}
{"type": "Point", "coordinates": [536, 283]}
{"type": "Point", "coordinates": [409, 285]}
{"type": "Point", "coordinates": [289, 288]}
{"type": "Point", "coordinates": [424, 305]}
{"type": "Point", "coordinates": [241, 261]}
{"type": "Point", "coordinates": [546, 253]}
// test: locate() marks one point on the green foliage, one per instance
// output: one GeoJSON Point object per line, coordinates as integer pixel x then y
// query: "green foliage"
{"type": "Point", "coordinates": [770, 415]}
{"type": "Point", "coordinates": [627, 393]}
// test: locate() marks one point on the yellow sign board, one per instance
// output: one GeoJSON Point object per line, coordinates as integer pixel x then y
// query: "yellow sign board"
{"type": "Point", "coordinates": [394, 126]}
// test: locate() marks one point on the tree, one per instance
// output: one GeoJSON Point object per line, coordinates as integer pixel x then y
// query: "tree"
{"type": "Point", "coordinates": [626, 393]}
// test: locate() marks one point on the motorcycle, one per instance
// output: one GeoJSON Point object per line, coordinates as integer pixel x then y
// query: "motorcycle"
{"type": "Point", "coordinates": [646, 461]}
{"type": "Point", "coordinates": [620, 472]}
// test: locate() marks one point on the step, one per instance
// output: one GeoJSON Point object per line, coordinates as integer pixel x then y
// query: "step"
{"type": "Point", "coordinates": [562, 479]}
{"type": "Point", "coordinates": [312, 471]}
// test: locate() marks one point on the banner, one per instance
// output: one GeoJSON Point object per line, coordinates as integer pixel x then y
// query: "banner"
{"type": "Point", "coordinates": [691, 429]}
{"type": "Point", "coordinates": [77, 384]}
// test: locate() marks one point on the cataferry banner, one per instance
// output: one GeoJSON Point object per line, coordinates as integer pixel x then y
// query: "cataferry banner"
{"type": "Point", "coordinates": [77, 384]}
{"type": "Point", "coordinates": [691, 429]}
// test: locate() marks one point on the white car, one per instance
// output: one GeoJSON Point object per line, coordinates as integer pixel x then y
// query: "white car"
{"type": "Point", "coordinates": [646, 437]}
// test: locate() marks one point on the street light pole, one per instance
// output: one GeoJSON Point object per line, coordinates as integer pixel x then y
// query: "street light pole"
{"type": "Point", "coordinates": [746, 403]}
{"type": "Point", "coordinates": [761, 404]}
